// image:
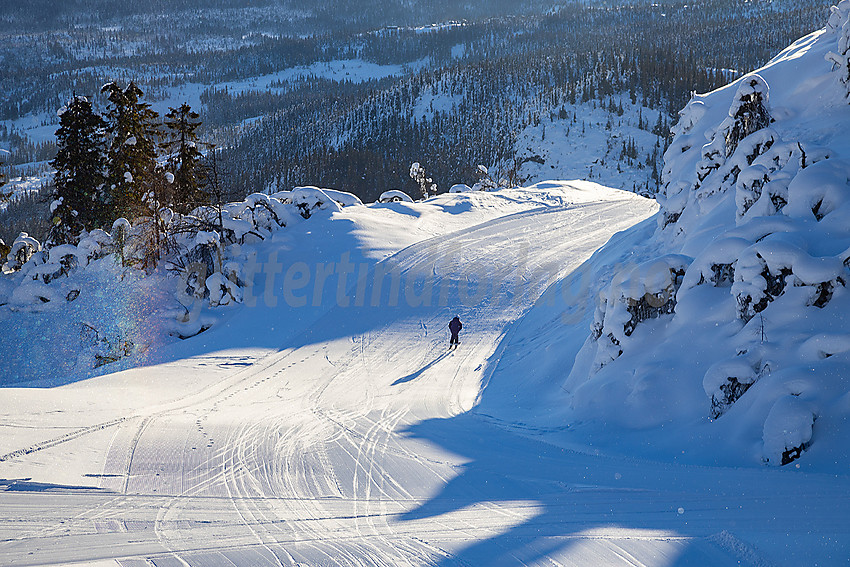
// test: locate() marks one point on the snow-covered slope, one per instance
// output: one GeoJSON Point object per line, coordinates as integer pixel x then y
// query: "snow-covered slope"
{"type": "Point", "coordinates": [609, 143]}
{"type": "Point", "coordinates": [321, 421]}
{"type": "Point", "coordinates": [725, 338]}
{"type": "Point", "coordinates": [337, 432]}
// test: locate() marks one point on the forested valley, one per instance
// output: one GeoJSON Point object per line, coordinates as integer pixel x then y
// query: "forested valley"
{"type": "Point", "coordinates": [454, 86]}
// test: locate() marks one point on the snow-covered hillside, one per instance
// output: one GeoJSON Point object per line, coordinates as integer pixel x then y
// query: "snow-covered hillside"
{"type": "Point", "coordinates": [628, 376]}
{"type": "Point", "coordinates": [609, 143]}
{"type": "Point", "coordinates": [726, 339]}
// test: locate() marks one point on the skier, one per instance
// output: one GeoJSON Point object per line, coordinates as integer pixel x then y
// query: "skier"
{"type": "Point", "coordinates": [455, 326]}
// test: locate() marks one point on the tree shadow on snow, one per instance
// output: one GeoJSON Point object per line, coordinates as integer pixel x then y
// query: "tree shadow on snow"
{"type": "Point", "coordinates": [27, 485]}
{"type": "Point", "coordinates": [565, 494]}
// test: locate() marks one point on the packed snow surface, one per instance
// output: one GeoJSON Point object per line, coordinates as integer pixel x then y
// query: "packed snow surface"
{"type": "Point", "coordinates": [342, 432]}
{"type": "Point", "coordinates": [638, 383]}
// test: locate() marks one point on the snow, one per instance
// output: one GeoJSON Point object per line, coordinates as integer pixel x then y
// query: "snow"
{"type": "Point", "coordinates": [343, 198]}
{"type": "Point", "coordinates": [788, 424]}
{"type": "Point", "coordinates": [460, 188]}
{"type": "Point", "coordinates": [281, 424]}
{"type": "Point", "coordinates": [627, 370]}
{"type": "Point", "coordinates": [209, 238]}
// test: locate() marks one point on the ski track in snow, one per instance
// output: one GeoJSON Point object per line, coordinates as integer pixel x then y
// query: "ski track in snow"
{"type": "Point", "coordinates": [361, 446]}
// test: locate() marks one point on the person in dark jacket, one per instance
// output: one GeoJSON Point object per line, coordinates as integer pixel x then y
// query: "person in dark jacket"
{"type": "Point", "coordinates": [455, 326]}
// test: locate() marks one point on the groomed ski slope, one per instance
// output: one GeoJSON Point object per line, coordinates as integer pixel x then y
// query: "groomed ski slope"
{"type": "Point", "coordinates": [336, 434]}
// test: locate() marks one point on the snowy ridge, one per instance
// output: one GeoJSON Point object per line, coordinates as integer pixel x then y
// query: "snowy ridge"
{"type": "Point", "coordinates": [741, 306]}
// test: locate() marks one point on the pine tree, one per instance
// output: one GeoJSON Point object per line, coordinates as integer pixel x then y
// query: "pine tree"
{"type": "Point", "coordinates": [80, 165]}
{"type": "Point", "coordinates": [185, 160]}
{"type": "Point", "coordinates": [133, 129]}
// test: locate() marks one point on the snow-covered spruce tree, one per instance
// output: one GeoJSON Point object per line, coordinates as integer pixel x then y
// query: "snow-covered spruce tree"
{"type": "Point", "coordinates": [184, 159]}
{"type": "Point", "coordinates": [80, 163]}
{"type": "Point", "coordinates": [426, 184]}
{"type": "Point", "coordinates": [839, 23]}
{"type": "Point", "coordinates": [133, 127]}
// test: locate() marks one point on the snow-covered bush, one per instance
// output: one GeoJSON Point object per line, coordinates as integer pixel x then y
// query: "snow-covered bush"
{"type": "Point", "coordinates": [310, 199]}
{"type": "Point", "coordinates": [22, 249]}
{"type": "Point", "coordinates": [838, 16]}
{"type": "Point", "coordinates": [675, 192]}
{"type": "Point", "coordinates": [34, 295]}
{"type": "Point", "coordinates": [224, 290]}
{"type": "Point", "coordinates": [726, 170]}
{"type": "Point", "coordinates": [749, 112]}
{"type": "Point", "coordinates": [61, 260]}
{"type": "Point", "coordinates": [823, 346]}
{"type": "Point", "coordinates": [485, 181]}
{"type": "Point", "coordinates": [262, 212]}
{"type": "Point", "coordinates": [716, 264]}
{"type": "Point", "coordinates": [94, 245]}
{"type": "Point", "coordinates": [819, 190]}
{"type": "Point", "coordinates": [343, 198]}
{"type": "Point", "coordinates": [768, 266]}
{"type": "Point", "coordinates": [393, 196]}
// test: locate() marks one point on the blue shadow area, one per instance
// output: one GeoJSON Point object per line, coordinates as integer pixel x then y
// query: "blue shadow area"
{"type": "Point", "coordinates": [418, 373]}
{"type": "Point", "coordinates": [27, 485]}
{"type": "Point", "coordinates": [570, 493]}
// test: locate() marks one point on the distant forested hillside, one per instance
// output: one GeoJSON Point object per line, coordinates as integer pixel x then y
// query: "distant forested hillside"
{"type": "Point", "coordinates": [450, 95]}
